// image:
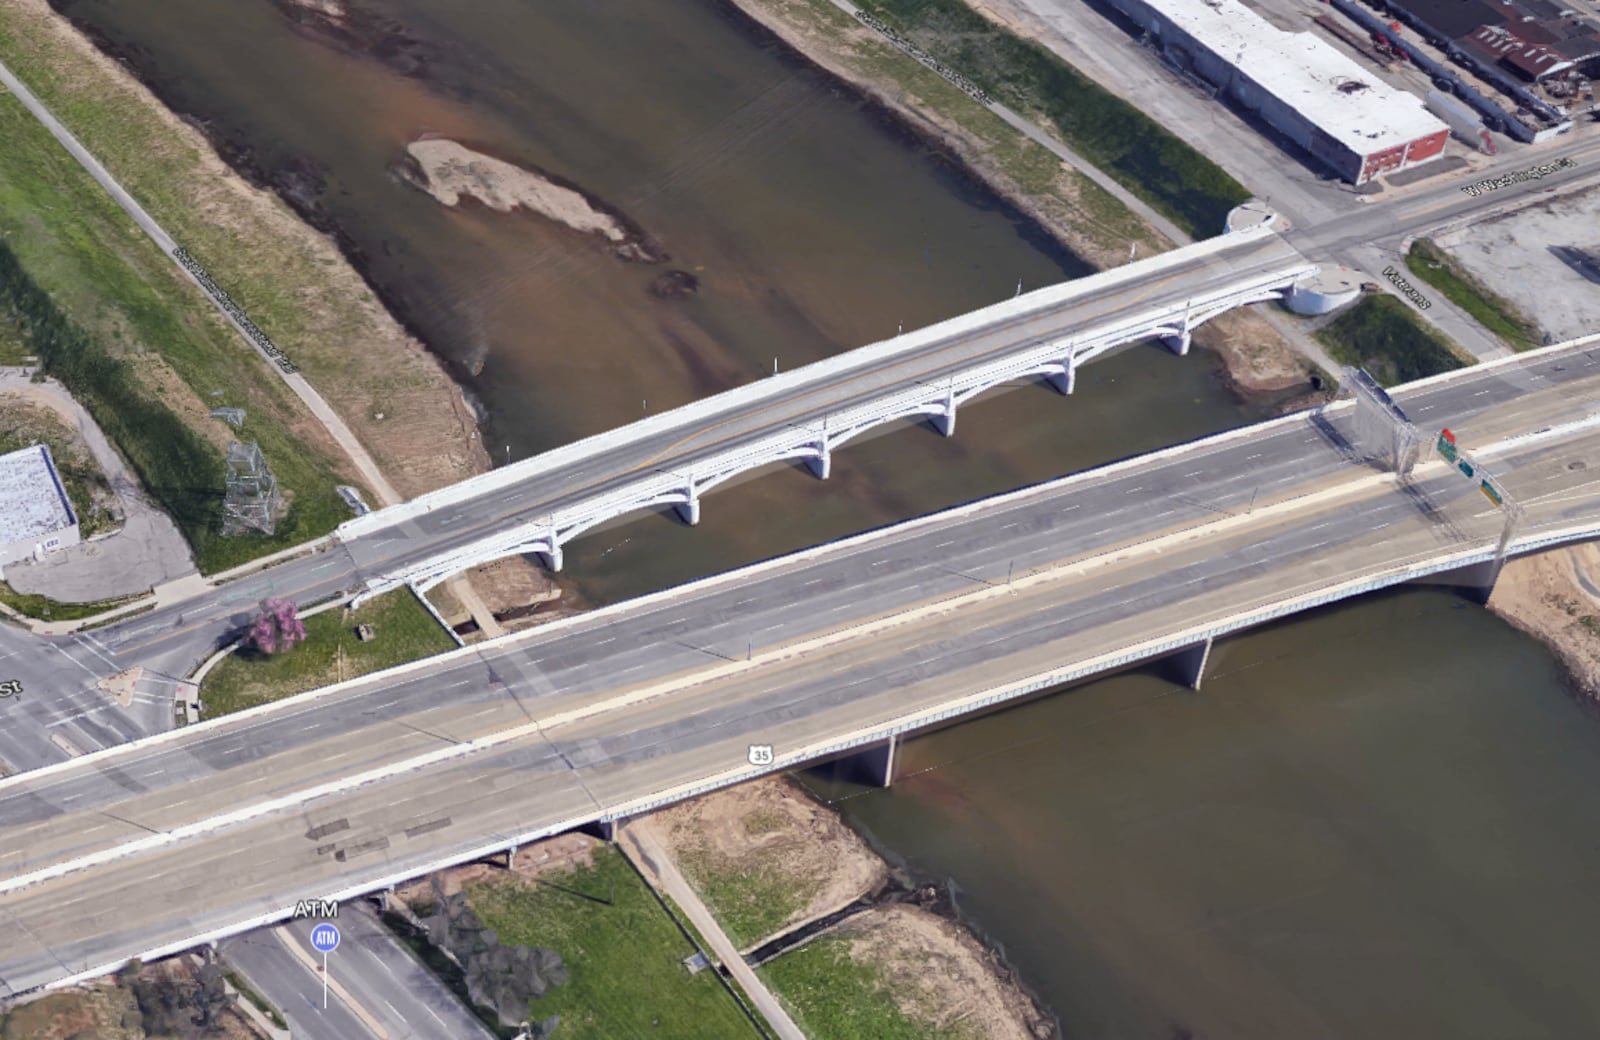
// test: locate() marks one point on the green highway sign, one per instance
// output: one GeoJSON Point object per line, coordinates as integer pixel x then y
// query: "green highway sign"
{"type": "Point", "coordinates": [1490, 493]}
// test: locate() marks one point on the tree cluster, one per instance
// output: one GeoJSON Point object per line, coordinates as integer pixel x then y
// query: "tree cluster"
{"type": "Point", "coordinates": [503, 978]}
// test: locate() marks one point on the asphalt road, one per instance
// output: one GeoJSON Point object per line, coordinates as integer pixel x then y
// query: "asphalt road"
{"type": "Point", "coordinates": [609, 709]}
{"type": "Point", "coordinates": [399, 998]}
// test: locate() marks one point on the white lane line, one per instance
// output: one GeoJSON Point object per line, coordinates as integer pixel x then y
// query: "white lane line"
{"type": "Point", "coordinates": [1196, 473]}
{"type": "Point", "coordinates": [1257, 455]}
{"type": "Point", "coordinates": [463, 682]}
{"type": "Point", "coordinates": [813, 581]}
{"type": "Point", "coordinates": [1132, 490]}
{"type": "Point", "coordinates": [941, 545]}
{"type": "Point", "coordinates": [1480, 393]}
{"type": "Point", "coordinates": [607, 639]}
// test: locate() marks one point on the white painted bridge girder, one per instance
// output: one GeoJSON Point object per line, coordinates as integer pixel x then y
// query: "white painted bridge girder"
{"type": "Point", "coordinates": [1054, 358]}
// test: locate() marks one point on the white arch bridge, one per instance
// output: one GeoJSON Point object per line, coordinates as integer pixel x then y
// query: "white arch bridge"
{"type": "Point", "coordinates": [676, 457]}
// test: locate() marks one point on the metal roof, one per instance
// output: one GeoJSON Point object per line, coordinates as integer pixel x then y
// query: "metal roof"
{"type": "Point", "coordinates": [1347, 102]}
{"type": "Point", "coordinates": [34, 502]}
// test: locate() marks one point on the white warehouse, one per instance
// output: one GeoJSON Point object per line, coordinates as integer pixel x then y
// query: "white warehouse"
{"type": "Point", "coordinates": [1327, 104]}
{"type": "Point", "coordinates": [35, 516]}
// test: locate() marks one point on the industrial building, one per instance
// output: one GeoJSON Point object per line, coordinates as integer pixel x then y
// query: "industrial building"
{"type": "Point", "coordinates": [1323, 101]}
{"type": "Point", "coordinates": [35, 516]}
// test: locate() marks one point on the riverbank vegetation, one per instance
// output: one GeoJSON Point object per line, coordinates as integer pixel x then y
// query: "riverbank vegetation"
{"type": "Point", "coordinates": [290, 279]}
{"type": "Point", "coordinates": [828, 993]}
{"type": "Point", "coordinates": [1086, 218]}
{"type": "Point", "coordinates": [1491, 310]}
{"type": "Point", "coordinates": [1139, 152]}
{"type": "Point", "coordinates": [623, 952]}
{"type": "Point", "coordinates": [332, 652]}
{"type": "Point", "coordinates": [111, 318]}
{"type": "Point", "coordinates": [1382, 335]}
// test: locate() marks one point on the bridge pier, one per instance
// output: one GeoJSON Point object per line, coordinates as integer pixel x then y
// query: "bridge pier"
{"type": "Point", "coordinates": [553, 557]}
{"type": "Point", "coordinates": [1178, 344]}
{"type": "Point", "coordinates": [821, 464]}
{"type": "Point", "coordinates": [873, 765]}
{"type": "Point", "coordinates": [603, 830]}
{"type": "Point", "coordinates": [689, 512]}
{"type": "Point", "coordinates": [1475, 581]}
{"type": "Point", "coordinates": [1188, 665]}
{"type": "Point", "coordinates": [1066, 379]}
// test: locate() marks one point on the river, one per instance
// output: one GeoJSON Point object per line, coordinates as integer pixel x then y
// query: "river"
{"type": "Point", "coordinates": [1370, 823]}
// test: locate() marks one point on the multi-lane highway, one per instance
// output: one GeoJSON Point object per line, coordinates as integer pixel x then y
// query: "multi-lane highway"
{"type": "Point", "coordinates": [376, 989]}
{"type": "Point", "coordinates": [213, 828]}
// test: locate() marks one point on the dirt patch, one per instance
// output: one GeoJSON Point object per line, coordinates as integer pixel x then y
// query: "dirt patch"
{"type": "Point", "coordinates": [766, 842]}
{"type": "Point", "coordinates": [1258, 358]}
{"type": "Point", "coordinates": [106, 1012]}
{"type": "Point", "coordinates": [1551, 595]}
{"type": "Point", "coordinates": [941, 976]}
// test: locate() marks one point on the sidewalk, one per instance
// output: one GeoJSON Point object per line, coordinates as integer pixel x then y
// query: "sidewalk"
{"type": "Point", "coordinates": [639, 842]}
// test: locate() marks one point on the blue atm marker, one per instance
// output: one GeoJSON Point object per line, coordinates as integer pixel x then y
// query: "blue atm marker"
{"type": "Point", "coordinates": [325, 938]}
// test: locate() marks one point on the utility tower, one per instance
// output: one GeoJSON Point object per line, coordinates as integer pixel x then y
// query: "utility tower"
{"type": "Point", "coordinates": [252, 498]}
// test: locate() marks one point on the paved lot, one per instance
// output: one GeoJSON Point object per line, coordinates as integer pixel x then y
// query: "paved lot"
{"type": "Point", "coordinates": [148, 550]}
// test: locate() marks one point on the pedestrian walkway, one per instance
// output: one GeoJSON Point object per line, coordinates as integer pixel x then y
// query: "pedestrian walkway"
{"type": "Point", "coordinates": [639, 841]}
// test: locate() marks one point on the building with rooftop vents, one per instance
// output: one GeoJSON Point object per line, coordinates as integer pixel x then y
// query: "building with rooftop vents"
{"type": "Point", "coordinates": [35, 516]}
{"type": "Point", "coordinates": [1320, 99]}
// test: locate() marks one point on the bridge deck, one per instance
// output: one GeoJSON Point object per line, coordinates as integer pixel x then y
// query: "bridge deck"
{"type": "Point", "coordinates": [672, 456]}
{"type": "Point", "coordinates": [210, 829]}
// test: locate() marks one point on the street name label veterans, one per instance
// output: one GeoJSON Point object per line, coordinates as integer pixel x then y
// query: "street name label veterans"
{"type": "Point", "coordinates": [1532, 173]}
{"type": "Point", "coordinates": [1406, 288]}
{"type": "Point", "coordinates": [216, 292]}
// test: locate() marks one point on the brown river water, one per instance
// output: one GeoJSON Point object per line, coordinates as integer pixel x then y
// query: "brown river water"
{"type": "Point", "coordinates": [1376, 821]}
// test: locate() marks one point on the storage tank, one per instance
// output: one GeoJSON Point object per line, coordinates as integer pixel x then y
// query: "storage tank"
{"type": "Point", "coordinates": [1327, 289]}
{"type": "Point", "coordinates": [1254, 213]}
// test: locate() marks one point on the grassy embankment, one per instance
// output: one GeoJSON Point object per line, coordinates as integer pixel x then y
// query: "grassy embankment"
{"type": "Point", "coordinates": [1139, 152]}
{"type": "Point", "coordinates": [830, 994]}
{"type": "Point", "coordinates": [750, 900]}
{"type": "Point", "coordinates": [111, 317]}
{"type": "Point", "coordinates": [1063, 195]}
{"type": "Point", "coordinates": [402, 631]}
{"type": "Point", "coordinates": [1491, 310]}
{"type": "Point", "coordinates": [1381, 335]}
{"type": "Point", "coordinates": [625, 959]}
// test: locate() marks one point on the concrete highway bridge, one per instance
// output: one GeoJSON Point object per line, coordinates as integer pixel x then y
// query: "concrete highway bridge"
{"type": "Point", "coordinates": [186, 837]}
{"type": "Point", "coordinates": [675, 458]}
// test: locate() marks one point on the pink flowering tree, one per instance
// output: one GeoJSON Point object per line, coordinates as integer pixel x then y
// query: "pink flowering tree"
{"type": "Point", "coordinates": [277, 627]}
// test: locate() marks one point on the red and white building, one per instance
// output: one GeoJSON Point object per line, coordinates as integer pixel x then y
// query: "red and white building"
{"type": "Point", "coordinates": [1339, 112]}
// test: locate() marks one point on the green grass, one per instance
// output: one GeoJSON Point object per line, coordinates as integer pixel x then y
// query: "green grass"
{"type": "Point", "coordinates": [1139, 152]}
{"type": "Point", "coordinates": [146, 349]}
{"type": "Point", "coordinates": [749, 904]}
{"type": "Point", "coordinates": [628, 978]}
{"type": "Point", "coordinates": [1382, 335]}
{"type": "Point", "coordinates": [1491, 310]}
{"type": "Point", "coordinates": [50, 610]}
{"type": "Point", "coordinates": [403, 632]}
{"type": "Point", "coordinates": [829, 995]}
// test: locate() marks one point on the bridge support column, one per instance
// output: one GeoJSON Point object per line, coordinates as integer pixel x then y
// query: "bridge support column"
{"type": "Point", "coordinates": [821, 465]}
{"type": "Point", "coordinates": [1188, 666]}
{"type": "Point", "coordinates": [874, 765]}
{"type": "Point", "coordinates": [946, 423]}
{"type": "Point", "coordinates": [604, 830]}
{"type": "Point", "coordinates": [1179, 344]}
{"type": "Point", "coordinates": [689, 511]}
{"type": "Point", "coordinates": [1064, 381]}
{"type": "Point", "coordinates": [511, 856]}
{"type": "Point", "coordinates": [1475, 581]}
{"type": "Point", "coordinates": [553, 557]}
